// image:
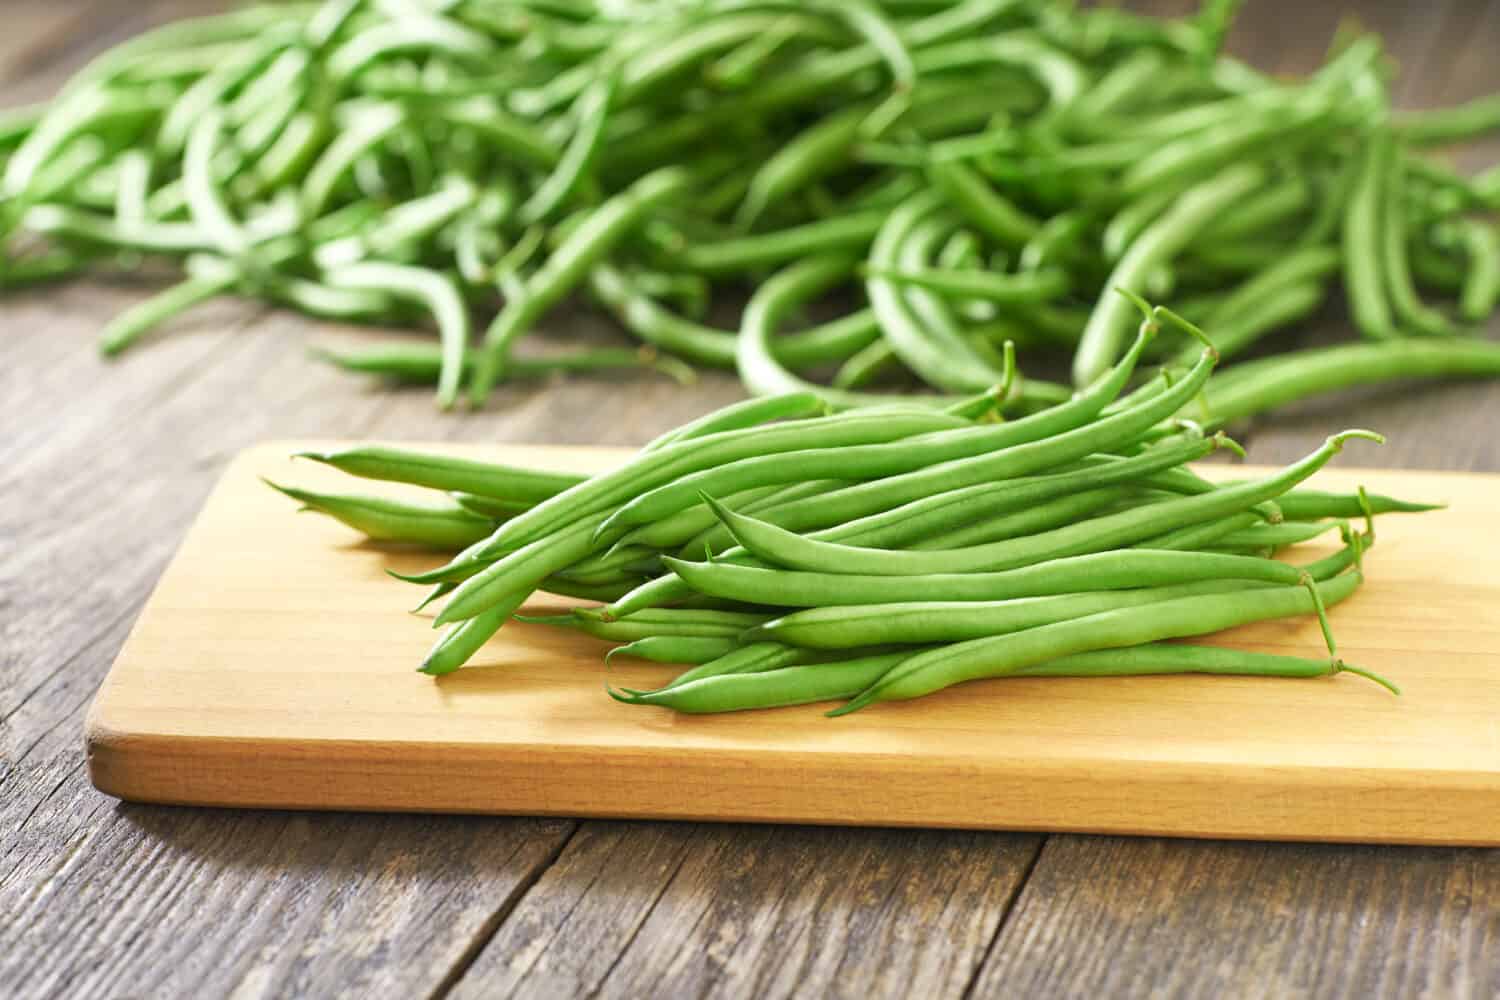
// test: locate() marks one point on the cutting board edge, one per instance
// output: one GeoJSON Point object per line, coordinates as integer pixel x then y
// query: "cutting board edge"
{"type": "Point", "coordinates": [1425, 806]}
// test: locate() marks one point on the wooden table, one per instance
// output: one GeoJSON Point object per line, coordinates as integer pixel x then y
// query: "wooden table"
{"type": "Point", "coordinates": [103, 466]}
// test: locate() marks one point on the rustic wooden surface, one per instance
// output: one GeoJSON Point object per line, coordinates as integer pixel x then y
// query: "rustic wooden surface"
{"type": "Point", "coordinates": [102, 468]}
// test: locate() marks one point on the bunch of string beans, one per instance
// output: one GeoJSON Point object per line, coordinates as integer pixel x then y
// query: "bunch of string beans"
{"type": "Point", "coordinates": [792, 555]}
{"type": "Point", "coordinates": [949, 176]}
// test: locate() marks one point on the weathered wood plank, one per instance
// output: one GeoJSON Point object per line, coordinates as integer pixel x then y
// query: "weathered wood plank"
{"type": "Point", "coordinates": [722, 911]}
{"type": "Point", "coordinates": [1147, 917]}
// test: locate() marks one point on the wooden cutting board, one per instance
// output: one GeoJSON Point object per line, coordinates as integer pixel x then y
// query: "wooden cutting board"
{"type": "Point", "coordinates": [274, 664]}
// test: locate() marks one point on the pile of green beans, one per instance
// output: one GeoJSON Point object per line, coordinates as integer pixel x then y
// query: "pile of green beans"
{"type": "Point", "coordinates": [890, 189]}
{"type": "Point", "coordinates": [786, 553]}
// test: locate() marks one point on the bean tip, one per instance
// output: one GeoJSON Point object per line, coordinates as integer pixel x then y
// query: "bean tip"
{"type": "Point", "coordinates": [1222, 440]}
{"type": "Point", "coordinates": [1340, 667]}
{"type": "Point", "coordinates": [1357, 432]}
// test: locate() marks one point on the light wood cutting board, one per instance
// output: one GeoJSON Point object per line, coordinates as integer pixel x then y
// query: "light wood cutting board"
{"type": "Point", "coordinates": [273, 667]}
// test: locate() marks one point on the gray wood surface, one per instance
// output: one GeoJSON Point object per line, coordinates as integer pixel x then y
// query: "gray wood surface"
{"type": "Point", "coordinates": [102, 467]}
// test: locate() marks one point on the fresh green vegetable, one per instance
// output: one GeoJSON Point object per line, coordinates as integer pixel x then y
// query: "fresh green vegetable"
{"type": "Point", "coordinates": [933, 179]}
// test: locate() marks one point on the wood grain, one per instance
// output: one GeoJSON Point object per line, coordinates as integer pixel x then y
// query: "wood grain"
{"type": "Point", "coordinates": [118, 458]}
{"type": "Point", "coordinates": [273, 667]}
{"type": "Point", "coordinates": [723, 911]}
{"type": "Point", "coordinates": [1142, 917]}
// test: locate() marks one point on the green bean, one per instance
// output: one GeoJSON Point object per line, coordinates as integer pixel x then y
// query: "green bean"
{"type": "Point", "coordinates": [461, 641]}
{"type": "Point", "coordinates": [568, 265]}
{"type": "Point", "coordinates": [1188, 156]}
{"type": "Point", "coordinates": [923, 622]}
{"type": "Point", "coordinates": [869, 518]}
{"type": "Point", "coordinates": [800, 685]}
{"type": "Point", "coordinates": [678, 459]}
{"type": "Point", "coordinates": [1062, 78]}
{"type": "Point", "coordinates": [1008, 289]}
{"type": "Point", "coordinates": [851, 232]}
{"type": "Point", "coordinates": [1256, 386]}
{"type": "Point", "coordinates": [603, 592]}
{"type": "Point", "coordinates": [516, 137]}
{"type": "Point", "coordinates": [577, 159]}
{"type": "Point", "coordinates": [485, 577]}
{"type": "Point", "coordinates": [885, 459]}
{"type": "Point", "coordinates": [1100, 342]}
{"type": "Point", "coordinates": [883, 495]}
{"type": "Point", "coordinates": [670, 621]}
{"type": "Point", "coordinates": [210, 90]}
{"type": "Point", "coordinates": [1436, 268]}
{"type": "Point", "coordinates": [948, 510]}
{"type": "Point", "coordinates": [499, 510]}
{"type": "Point", "coordinates": [440, 524]}
{"type": "Point", "coordinates": [1179, 658]}
{"type": "Point", "coordinates": [658, 64]}
{"type": "Point", "coordinates": [657, 325]}
{"type": "Point", "coordinates": [126, 328]}
{"type": "Point", "coordinates": [865, 366]}
{"type": "Point", "coordinates": [739, 68]}
{"type": "Point", "coordinates": [819, 150]}
{"type": "Point", "coordinates": [1192, 537]}
{"type": "Point", "coordinates": [933, 311]}
{"type": "Point", "coordinates": [1409, 308]}
{"type": "Point", "coordinates": [1282, 203]}
{"type": "Point", "coordinates": [711, 538]}
{"type": "Point", "coordinates": [1119, 569]}
{"type": "Point", "coordinates": [759, 368]}
{"type": "Point", "coordinates": [91, 109]}
{"type": "Point", "coordinates": [675, 648]}
{"type": "Point", "coordinates": [621, 560]}
{"type": "Point", "coordinates": [1003, 655]}
{"type": "Point", "coordinates": [754, 658]}
{"type": "Point", "coordinates": [1285, 279]}
{"type": "Point", "coordinates": [962, 251]}
{"type": "Point", "coordinates": [422, 363]}
{"type": "Point", "coordinates": [1125, 83]}
{"type": "Point", "coordinates": [1307, 505]}
{"type": "Point", "coordinates": [678, 530]}
{"type": "Point", "coordinates": [364, 127]}
{"type": "Point", "coordinates": [205, 201]}
{"type": "Point", "coordinates": [413, 32]}
{"type": "Point", "coordinates": [1056, 240]}
{"type": "Point", "coordinates": [47, 267]}
{"type": "Point", "coordinates": [401, 225]}
{"type": "Point", "coordinates": [573, 518]}
{"type": "Point", "coordinates": [1481, 285]}
{"type": "Point", "coordinates": [1040, 517]}
{"type": "Point", "coordinates": [435, 291]}
{"type": "Point", "coordinates": [1287, 306]}
{"type": "Point", "coordinates": [285, 75]}
{"type": "Point", "coordinates": [939, 356]}
{"type": "Point", "coordinates": [784, 548]}
{"type": "Point", "coordinates": [738, 416]}
{"type": "Point", "coordinates": [447, 472]}
{"type": "Point", "coordinates": [796, 685]}
{"type": "Point", "coordinates": [1276, 536]}
{"type": "Point", "coordinates": [1436, 126]}
{"type": "Point", "coordinates": [1363, 243]}
{"type": "Point", "coordinates": [268, 153]}
{"type": "Point", "coordinates": [981, 204]}
{"type": "Point", "coordinates": [1130, 221]}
